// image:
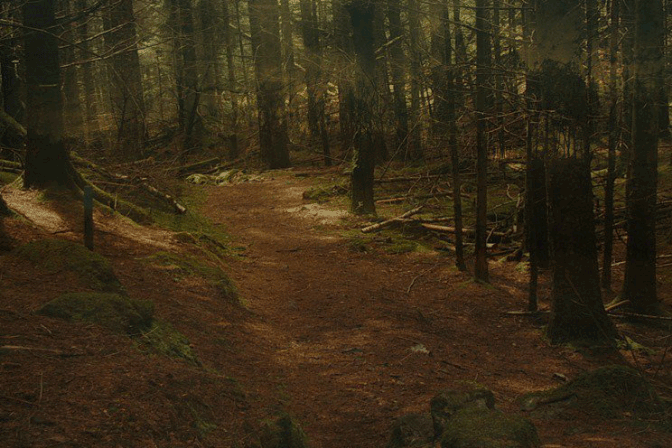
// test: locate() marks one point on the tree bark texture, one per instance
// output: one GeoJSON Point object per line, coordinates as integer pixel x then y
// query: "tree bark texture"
{"type": "Point", "coordinates": [362, 16]}
{"type": "Point", "coordinates": [577, 311]}
{"type": "Point", "coordinates": [47, 161]}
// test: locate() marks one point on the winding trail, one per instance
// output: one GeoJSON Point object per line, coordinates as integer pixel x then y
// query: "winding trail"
{"type": "Point", "coordinates": [352, 340]}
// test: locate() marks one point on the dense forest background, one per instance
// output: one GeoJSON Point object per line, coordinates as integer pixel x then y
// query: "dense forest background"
{"type": "Point", "coordinates": [564, 89]}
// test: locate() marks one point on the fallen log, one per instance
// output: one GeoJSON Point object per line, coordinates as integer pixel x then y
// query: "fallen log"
{"type": "Point", "coordinates": [141, 182]}
{"type": "Point", "coordinates": [418, 197]}
{"type": "Point", "coordinates": [388, 222]}
{"type": "Point", "coordinates": [198, 166]}
{"type": "Point", "coordinates": [466, 231]}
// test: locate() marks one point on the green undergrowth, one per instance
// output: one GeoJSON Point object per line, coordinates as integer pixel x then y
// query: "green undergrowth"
{"type": "Point", "coordinates": [54, 255]}
{"type": "Point", "coordinates": [182, 266]}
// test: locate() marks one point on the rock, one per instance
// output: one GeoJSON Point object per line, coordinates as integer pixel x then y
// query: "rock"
{"type": "Point", "coordinates": [448, 402]}
{"type": "Point", "coordinates": [474, 427]}
{"type": "Point", "coordinates": [412, 431]}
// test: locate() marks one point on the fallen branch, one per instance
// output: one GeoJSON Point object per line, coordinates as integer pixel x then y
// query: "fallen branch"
{"type": "Point", "coordinates": [644, 316]}
{"type": "Point", "coordinates": [380, 225]}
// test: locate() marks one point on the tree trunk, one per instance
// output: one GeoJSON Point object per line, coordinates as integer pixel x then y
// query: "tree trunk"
{"type": "Point", "coordinates": [91, 123]}
{"type": "Point", "coordinates": [211, 43]}
{"type": "Point", "coordinates": [72, 107]}
{"type": "Point", "coordinates": [265, 33]}
{"type": "Point", "coordinates": [193, 123]}
{"type": "Point", "coordinates": [231, 77]}
{"type": "Point", "coordinates": [483, 67]}
{"type": "Point", "coordinates": [614, 134]}
{"type": "Point", "coordinates": [577, 312]}
{"type": "Point", "coordinates": [397, 63]}
{"type": "Point", "coordinates": [47, 160]}
{"type": "Point", "coordinates": [128, 106]}
{"type": "Point", "coordinates": [415, 137]}
{"type": "Point", "coordinates": [362, 16]}
{"type": "Point", "coordinates": [639, 286]}
{"type": "Point", "coordinates": [316, 91]}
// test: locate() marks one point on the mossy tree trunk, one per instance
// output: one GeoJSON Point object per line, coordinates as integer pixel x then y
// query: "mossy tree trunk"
{"type": "Point", "coordinates": [362, 14]}
{"type": "Point", "coordinates": [639, 286]}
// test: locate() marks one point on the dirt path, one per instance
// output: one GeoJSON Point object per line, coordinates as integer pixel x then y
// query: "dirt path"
{"type": "Point", "coordinates": [353, 340]}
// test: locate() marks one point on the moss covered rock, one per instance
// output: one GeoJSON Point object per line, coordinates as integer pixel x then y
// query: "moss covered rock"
{"type": "Point", "coordinates": [54, 255]}
{"type": "Point", "coordinates": [607, 392]}
{"type": "Point", "coordinates": [448, 402]}
{"type": "Point", "coordinates": [113, 311]}
{"type": "Point", "coordinates": [488, 428]}
{"type": "Point", "coordinates": [412, 431]}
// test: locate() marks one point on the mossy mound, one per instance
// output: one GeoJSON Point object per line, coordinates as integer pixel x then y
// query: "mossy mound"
{"type": "Point", "coordinates": [113, 311]}
{"type": "Point", "coordinates": [449, 402]}
{"type": "Point", "coordinates": [488, 428]}
{"type": "Point", "coordinates": [161, 338]}
{"type": "Point", "coordinates": [183, 266]}
{"type": "Point", "coordinates": [608, 392]}
{"type": "Point", "coordinates": [93, 270]}
{"type": "Point", "coordinates": [283, 432]}
{"type": "Point", "coordinates": [412, 431]}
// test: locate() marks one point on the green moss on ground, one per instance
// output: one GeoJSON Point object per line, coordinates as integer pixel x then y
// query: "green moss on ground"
{"type": "Point", "coordinates": [487, 428]}
{"type": "Point", "coordinates": [116, 312]}
{"type": "Point", "coordinates": [608, 392]}
{"type": "Point", "coordinates": [183, 266]}
{"type": "Point", "coordinates": [93, 270]}
{"type": "Point", "coordinates": [283, 432]}
{"type": "Point", "coordinates": [323, 193]}
{"type": "Point", "coordinates": [161, 338]}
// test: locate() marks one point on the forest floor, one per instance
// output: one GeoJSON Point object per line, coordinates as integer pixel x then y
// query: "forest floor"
{"type": "Point", "coordinates": [345, 336]}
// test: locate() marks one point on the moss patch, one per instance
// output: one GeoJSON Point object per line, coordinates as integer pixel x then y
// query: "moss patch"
{"type": "Point", "coordinates": [183, 266]}
{"type": "Point", "coordinates": [323, 194]}
{"type": "Point", "coordinates": [608, 392]}
{"type": "Point", "coordinates": [161, 338]}
{"type": "Point", "coordinates": [487, 428]}
{"type": "Point", "coordinates": [283, 432]}
{"type": "Point", "coordinates": [94, 270]}
{"type": "Point", "coordinates": [113, 311]}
